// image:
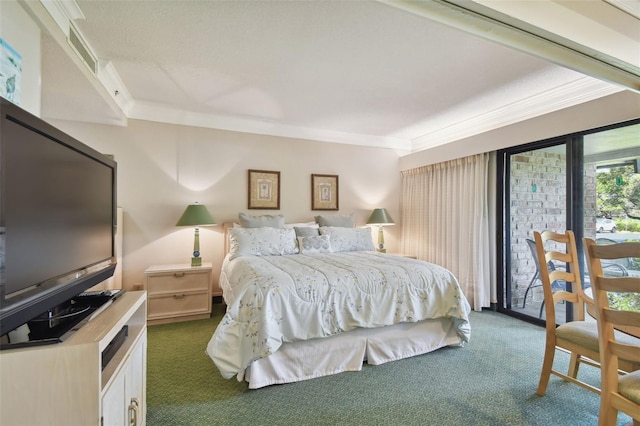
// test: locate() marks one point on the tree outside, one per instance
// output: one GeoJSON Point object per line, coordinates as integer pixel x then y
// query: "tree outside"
{"type": "Point", "coordinates": [618, 197]}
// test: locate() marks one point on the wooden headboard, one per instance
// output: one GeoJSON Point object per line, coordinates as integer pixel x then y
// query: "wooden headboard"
{"type": "Point", "coordinates": [225, 235]}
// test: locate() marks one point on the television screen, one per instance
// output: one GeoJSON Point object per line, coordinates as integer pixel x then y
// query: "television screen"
{"type": "Point", "coordinates": [57, 217]}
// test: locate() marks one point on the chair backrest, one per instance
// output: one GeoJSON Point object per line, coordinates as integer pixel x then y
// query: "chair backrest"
{"type": "Point", "coordinates": [534, 252]}
{"type": "Point", "coordinates": [610, 318]}
{"type": "Point", "coordinates": [532, 248]}
{"type": "Point", "coordinates": [548, 276]}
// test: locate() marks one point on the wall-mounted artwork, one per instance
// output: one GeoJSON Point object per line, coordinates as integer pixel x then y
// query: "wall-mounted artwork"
{"type": "Point", "coordinates": [10, 73]}
{"type": "Point", "coordinates": [264, 189]}
{"type": "Point", "coordinates": [324, 192]}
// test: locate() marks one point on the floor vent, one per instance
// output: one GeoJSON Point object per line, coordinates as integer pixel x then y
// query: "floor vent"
{"type": "Point", "coordinates": [75, 40]}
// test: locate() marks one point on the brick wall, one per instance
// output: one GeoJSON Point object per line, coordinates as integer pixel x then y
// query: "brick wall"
{"type": "Point", "coordinates": [538, 194]}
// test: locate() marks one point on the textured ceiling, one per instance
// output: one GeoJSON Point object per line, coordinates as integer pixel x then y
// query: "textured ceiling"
{"type": "Point", "coordinates": [357, 72]}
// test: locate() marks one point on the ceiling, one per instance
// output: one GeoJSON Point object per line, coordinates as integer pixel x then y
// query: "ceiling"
{"type": "Point", "coordinates": [359, 72]}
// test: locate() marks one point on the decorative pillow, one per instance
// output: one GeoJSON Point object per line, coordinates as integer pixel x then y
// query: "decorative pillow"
{"type": "Point", "coordinates": [340, 220]}
{"type": "Point", "coordinates": [302, 224]}
{"type": "Point", "coordinates": [249, 221]}
{"type": "Point", "coordinates": [348, 239]}
{"type": "Point", "coordinates": [314, 244]}
{"type": "Point", "coordinates": [262, 241]}
{"type": "Point", "coordinates": [307, 231]}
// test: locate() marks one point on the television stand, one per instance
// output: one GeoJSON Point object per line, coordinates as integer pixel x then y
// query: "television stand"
{"type": "Point", "coordinates": [67, 383]}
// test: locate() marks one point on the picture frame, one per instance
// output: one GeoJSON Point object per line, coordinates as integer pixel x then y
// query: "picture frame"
{"type": "Point", "coordinates": [264, 190]}
{"type": "Point", "coordinates": [324, 192]}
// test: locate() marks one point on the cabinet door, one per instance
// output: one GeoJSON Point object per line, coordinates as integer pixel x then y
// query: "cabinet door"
{"type": "Point", "coordinates": [114, 403]}
{"type": "Point", "coordinates": [136, 383]}
{"type": "Point", "coordinates": [124, 403]}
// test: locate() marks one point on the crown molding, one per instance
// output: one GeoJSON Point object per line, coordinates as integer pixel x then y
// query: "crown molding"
{"type": "Point", "coordinates": [63, 12]}
{"type": "Point", "coordinates": [628, 6]}
{"type": "Point", "coordinates": [579, 91]}
{"type": "Point", "coordinates": [116, 88]}
{"type": "Point", "coordinates": [164, 114]}
{"type": "Point", "coordinates": [582, 90]}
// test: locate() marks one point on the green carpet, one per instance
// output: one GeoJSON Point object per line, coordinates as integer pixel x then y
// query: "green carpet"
{"type": "Point", "coordinates": [491, 381]}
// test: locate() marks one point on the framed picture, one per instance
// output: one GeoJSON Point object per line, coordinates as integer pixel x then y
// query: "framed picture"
{"type": "Point", "coordinates": [324, 192]}
{"type": "Point", "coordinates": [264, 189]}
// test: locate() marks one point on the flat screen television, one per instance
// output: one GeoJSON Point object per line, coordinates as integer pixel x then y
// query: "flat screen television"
{"type": "Point", "coordinates": [57, 217]}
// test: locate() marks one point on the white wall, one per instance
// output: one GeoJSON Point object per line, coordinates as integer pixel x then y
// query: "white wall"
{"type": "Point", "coordinates": [23, 35]}
{"type": "Point", "coordinates": [162, 168]}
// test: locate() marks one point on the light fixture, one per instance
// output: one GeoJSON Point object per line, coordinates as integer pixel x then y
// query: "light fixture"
{"type": "Point", "coordinates": [196, 215]}
{"type": "Point", "coordinates": [380, 217]}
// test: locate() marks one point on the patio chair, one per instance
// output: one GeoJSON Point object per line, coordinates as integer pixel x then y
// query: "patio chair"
{"type": "Point", "coordinates": [619, 393]}
{"type": "Point", "coordinates": [613, 267]}
{"type": "Point", "coordinates": [536, 276]}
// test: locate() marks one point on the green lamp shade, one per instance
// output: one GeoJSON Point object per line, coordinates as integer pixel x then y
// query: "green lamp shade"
{"type": "Point", "coordinates": [196, 215]}
{"type": "Point", "coordinates": [380, 217]}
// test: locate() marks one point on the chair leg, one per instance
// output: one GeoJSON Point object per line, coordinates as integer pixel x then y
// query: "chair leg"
{"type": "Point", "coordinates": [547, 365]}
{"type": "Point", "coordinates": [524, 301]}
{"type": "Point", "coordinates": [574, 365]}
{"type": "Point", "coordinates": [608, 415]}
{"type": "Point", "coordinates": [541, 309]}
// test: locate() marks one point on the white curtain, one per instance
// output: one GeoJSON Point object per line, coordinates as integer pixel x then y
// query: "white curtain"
{"type": "Point", "coordinates": [445, 220]}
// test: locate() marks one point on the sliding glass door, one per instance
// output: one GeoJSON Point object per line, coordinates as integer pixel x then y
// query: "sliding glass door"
{"type": "Point", "coordinates": [612, 164]}
{"type": "Point", "coordinates": [585, 182]}
{"type": "Point", "coordinates": [535, 199]}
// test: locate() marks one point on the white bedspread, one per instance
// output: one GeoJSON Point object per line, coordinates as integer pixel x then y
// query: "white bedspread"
{"type": "Point", "coordinates": [276, 299]}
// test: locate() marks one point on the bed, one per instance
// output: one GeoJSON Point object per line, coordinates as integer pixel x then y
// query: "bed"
{"type": "Point", "coordinates": [301, 307]}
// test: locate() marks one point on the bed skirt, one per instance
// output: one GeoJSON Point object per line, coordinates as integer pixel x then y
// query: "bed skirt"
{"type": "Point", "coordinates": [305, 360]}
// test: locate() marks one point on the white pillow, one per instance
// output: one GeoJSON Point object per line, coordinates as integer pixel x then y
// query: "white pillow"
{"type": "Point", "coordinates": [250, 221]}
{"type": "Point", "coordinates": [341, 220]}
{"type": "Point", "coordinates": [314, 244]}
{"type": "Point", "coordinates": [263, 241]}
{"type": "Point", "coordinates": [302, 225]}
{"type": "Point", "coordinates": [307, 231]}
{"type": "Point", "coordinates": [348, 239]}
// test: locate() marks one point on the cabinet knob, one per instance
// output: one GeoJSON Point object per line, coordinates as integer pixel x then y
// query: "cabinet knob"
{"type": "Point", "coordinates": [178, 274]}
{"type": "Point", "coordinates": [178, 296]}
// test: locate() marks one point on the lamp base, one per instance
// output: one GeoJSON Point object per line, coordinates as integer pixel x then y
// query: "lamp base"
{"type": "Point", "coordinates": [381, 248]}
{"type": "Point", "coordinates": [196, 261]}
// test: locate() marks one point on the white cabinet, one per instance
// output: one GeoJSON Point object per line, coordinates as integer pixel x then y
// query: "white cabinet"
{"type": "Point", "coordinates": [65, 384]}
{"type": "Point", "coordinates": [178, 292]}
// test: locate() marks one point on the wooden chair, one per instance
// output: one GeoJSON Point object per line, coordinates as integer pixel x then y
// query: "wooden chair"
{"type": "Point", "coordinates": [578, 337]}
{"type": "Point", "coordinates": [619, 393]}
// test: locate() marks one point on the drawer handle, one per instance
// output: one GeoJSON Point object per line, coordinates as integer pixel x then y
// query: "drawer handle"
{"type": "Point", "coordinates": [133, 411]}
{"type": "Point", "coordinates": [178, 274]}
{"type": "Point", "coordinates": [178, 296]}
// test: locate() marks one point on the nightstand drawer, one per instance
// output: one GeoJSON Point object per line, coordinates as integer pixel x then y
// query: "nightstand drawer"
{"type": "Point", "coordinates": [177, 304]}
{"type": "Point", "coordinates": [178, 281]}
{"type": "Point", "coordinates": [178, 293]}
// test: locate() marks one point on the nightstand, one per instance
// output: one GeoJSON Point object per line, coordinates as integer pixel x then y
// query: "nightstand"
{"type": "Point", "coordinates": [178, 292]}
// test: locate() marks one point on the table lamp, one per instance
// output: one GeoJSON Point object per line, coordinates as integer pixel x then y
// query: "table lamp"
{"type": "Point", "coordinates": [380, 217]}
{"type": "Point", "coordinates": [196, 215]}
